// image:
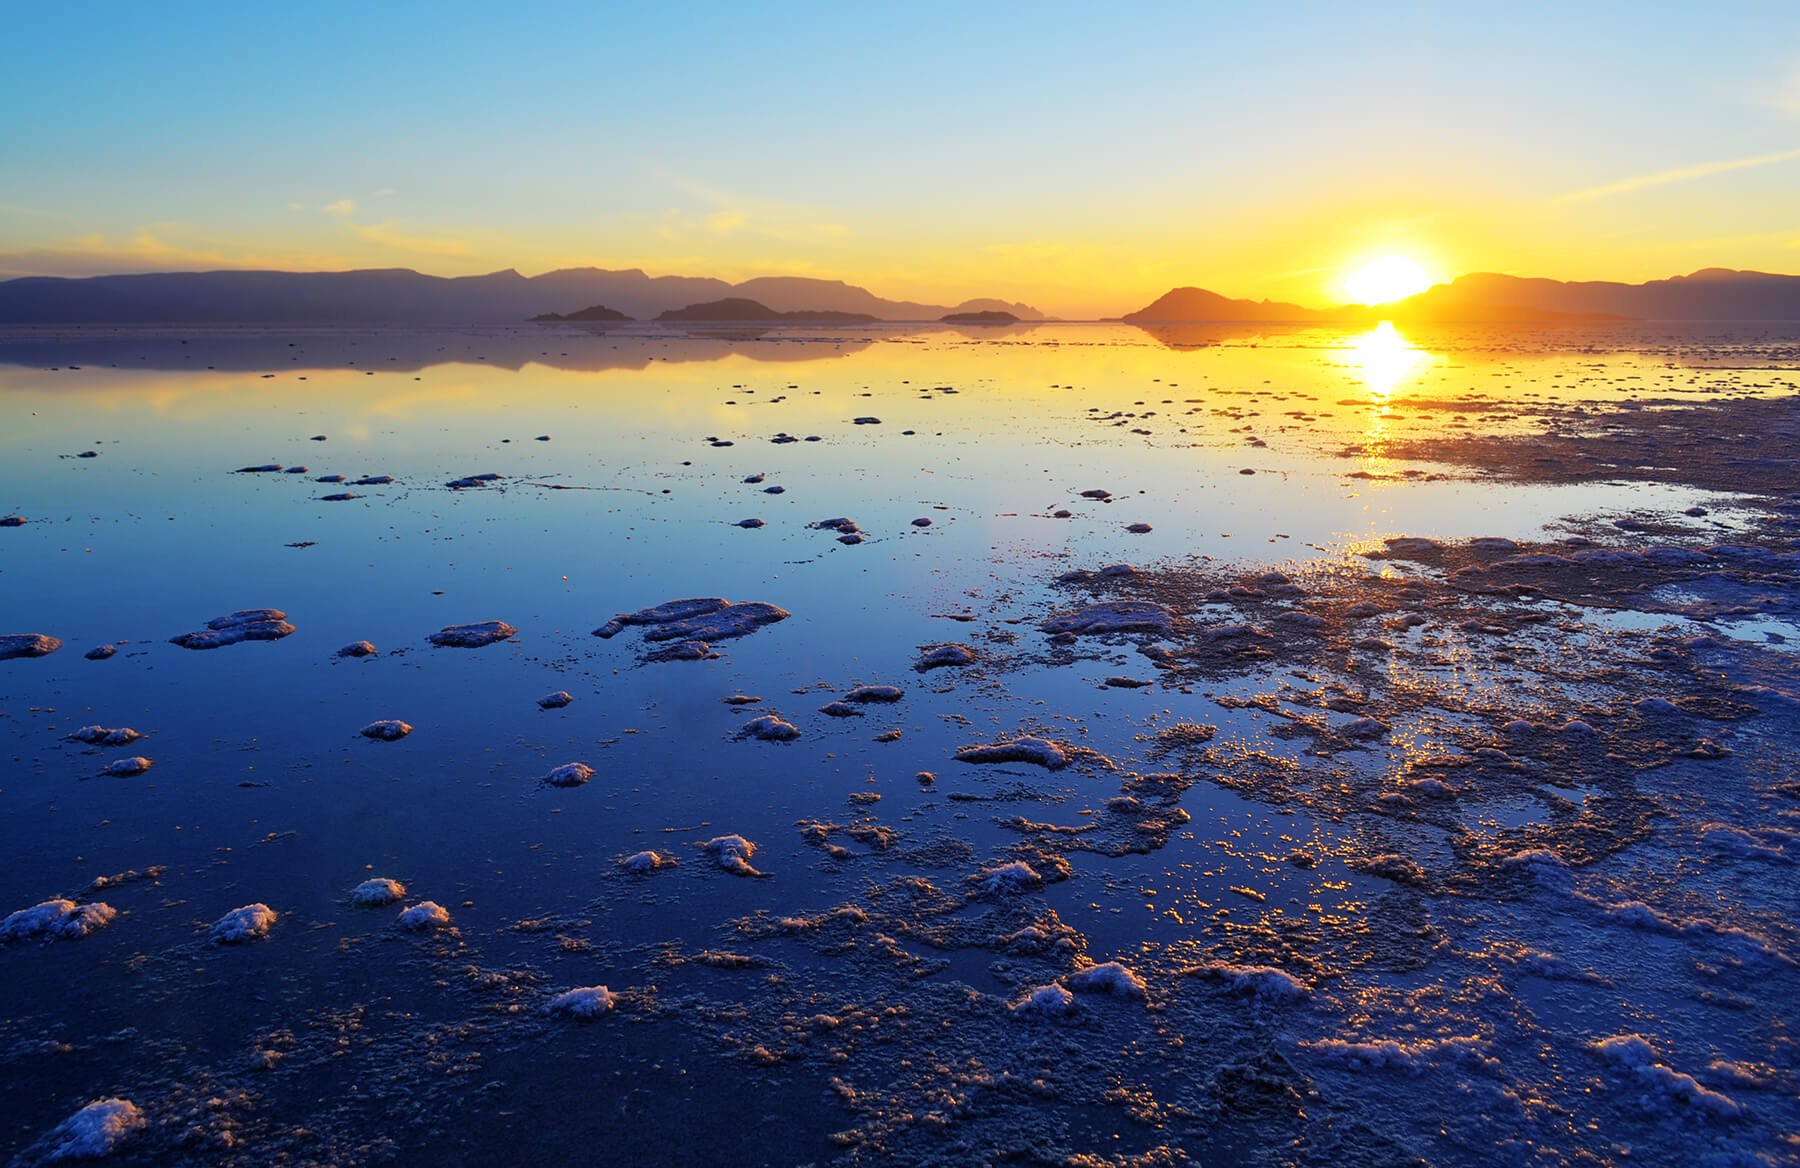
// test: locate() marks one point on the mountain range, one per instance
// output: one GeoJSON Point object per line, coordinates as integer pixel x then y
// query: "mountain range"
{"type": "Point", "coordinates": [400, 296]}
{"type": "Point", "coordinates": [1711, 294]}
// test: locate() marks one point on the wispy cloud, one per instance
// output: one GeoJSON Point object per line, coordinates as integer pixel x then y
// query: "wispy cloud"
{"type": "Point", "coordinates": [385, 235]}
{"type": "Point", "coordinates": [736, 214]}
{"type": "Point", "coordinates": [1680, 174]}
{"type": "Point", "coordinates": [341, 207]}
{"type": "Point", "coordinates": [1785, 95]}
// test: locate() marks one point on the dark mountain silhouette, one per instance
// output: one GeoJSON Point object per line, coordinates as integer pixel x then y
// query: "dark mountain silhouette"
{"type": "Point", "coordinates": [400, 296]}
{"type": "Point", "coordinates": [594, 312]}
{"type": "Point", "coordinates": [989, 316]}
{"type": "Point", "coordinates": [1709, 294]}
{"type": "Point", "coordinates": [1716, 294]}
{"type": "Point", "coordinates": [1187, 305]}
{"type": "Point", "coordinates": [738, 308]}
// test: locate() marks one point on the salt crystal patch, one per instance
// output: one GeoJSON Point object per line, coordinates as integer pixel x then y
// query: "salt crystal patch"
{"type": "Point", "coordinates": [427, 914]}
{"type": "Point", "coordinates": [1011, 877]}
{"type": "Point", "coordinates": [570, 774]}
{"type": "Point", "coordinates": [1108, 978]}
{"type": "Point", "coordinates": [96, 1130]}
{"type": "Point", "coordinates": [583, 1002]}
{"type": "Point", "coordinates": [377, 892]}
{"type": "Point", "coordinates": [244, 924]}
{"type": "Point", "coordinates": [1048, 1001]}
{"type": "Point", "coordinates": [57, 919]}
{"type": "Point", "coordinates": [732, 853]}
{"type": "Point", "coordinates": [1258, 981]}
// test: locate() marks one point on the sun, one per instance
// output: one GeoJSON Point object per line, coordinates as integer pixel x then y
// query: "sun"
{"type": "Point", "coordinates": [1386, 279]}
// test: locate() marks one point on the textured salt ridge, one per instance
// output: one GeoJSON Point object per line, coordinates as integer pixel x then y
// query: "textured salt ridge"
{"type": "Point", "coordinates": [249, 624]}
{"type": "Point", "coordinates": [27, 645]}
{"type": "Point", "coordinates": [646, 862]}
{"type": "Point", "coordinates": [1039, 751]}
{"type": "Point", "coordinates": [694, 621]}
{"type": "Point", "coordinates": [127, 767]}
{"type": "Point", "coordinates": [473, 636]}
{"type": "Point", "coordinates": [1119, 616]}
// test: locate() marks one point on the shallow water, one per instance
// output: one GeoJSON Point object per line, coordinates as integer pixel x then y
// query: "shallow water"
{"type": "Point", "coordinates": [392, 1046]}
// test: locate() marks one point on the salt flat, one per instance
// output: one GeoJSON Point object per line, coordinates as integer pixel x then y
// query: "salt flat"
{"type": "Point", "coordinates": [1383, 744]}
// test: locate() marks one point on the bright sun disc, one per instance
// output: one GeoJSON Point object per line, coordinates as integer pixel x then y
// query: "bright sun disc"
{"type": "Point", "coordinates": [1386, 279]}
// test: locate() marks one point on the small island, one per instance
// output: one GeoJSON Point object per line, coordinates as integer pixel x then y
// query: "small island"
{"type": "Point", "coordinates": [594, 312]}
{"type": "Point", "coordinates": [738, 309]}
{"type": "Point", "coordinates": [991, 316]}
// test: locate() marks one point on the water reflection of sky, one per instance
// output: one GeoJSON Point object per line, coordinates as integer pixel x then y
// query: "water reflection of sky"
{"type": "Point", "coordinates": [263, 790]}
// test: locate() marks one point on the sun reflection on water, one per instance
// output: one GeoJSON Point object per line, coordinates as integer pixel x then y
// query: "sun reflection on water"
{"type": "Point", "coordinates": [1386, 360]}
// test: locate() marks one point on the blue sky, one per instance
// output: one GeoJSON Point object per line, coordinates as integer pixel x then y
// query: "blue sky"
{"type": "Point", "coordinates": [1042, 152]}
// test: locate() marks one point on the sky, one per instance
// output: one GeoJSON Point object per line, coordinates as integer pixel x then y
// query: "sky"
{"type": "Point", "coordinates": [1080, 160]}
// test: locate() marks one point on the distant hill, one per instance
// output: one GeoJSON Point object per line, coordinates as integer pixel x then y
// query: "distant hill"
{"type": "Point", "coordinates": [594, 312]}
{"type": "Point", "coordinates": [1715, 294]}
{"type": "Point", "coordinates": [1192, 305]}
{"type": "Point", "coordinates": [400, 296]}
{"type": "Point", "coordinates": [738, 308]}
{"type": "Point", "coordinates": [989, 316]}
{"type": "Point", "coordinates": [1709, 294]}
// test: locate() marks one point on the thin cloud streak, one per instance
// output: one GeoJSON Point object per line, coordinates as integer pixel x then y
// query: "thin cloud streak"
{"type": "Point", "coordinates": [1681, 174]}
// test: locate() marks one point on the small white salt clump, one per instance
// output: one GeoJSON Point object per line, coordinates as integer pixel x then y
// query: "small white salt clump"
{"type": "Point", "coordinates": [387, 730]}
{"type": "Point", "coordinates": [1108, 978]}
{"type": "Point", "coordinates": [105, 736]}
{"type": "Point", "coordinates": [377, 892]}
{"type": "Point", "coordinates": [1049, 1001]}
{"type": "Point", "coordinates": [357, 649]}
{"type": "Point", "coordinates": [570, 774]}
{"type": "Point", "coordinates": [583, 1002]}
{"type": "Point", "coordinates": [126, 767]}
{"type": "Point", "coordinates": [96, 1130]}
{"type": "Point", "coordinates": [646, 862]}
{"type": "Point", "coordinates": [555, 701]}
{"type": "Point", "coordinates": [732, 853]}
{"type": "Point", "coordinates": [769, 728]}
{"type": "Point", "coordinates": [938, 656]}
{"type": "Point", "coordinates": [1011, 877]}
{"type": "Point", "coordinates": [244, 924]}
{"type": "Point", "coordinates": [58, 919]}
{"type": "Point", "coordinates": [427, 914]}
